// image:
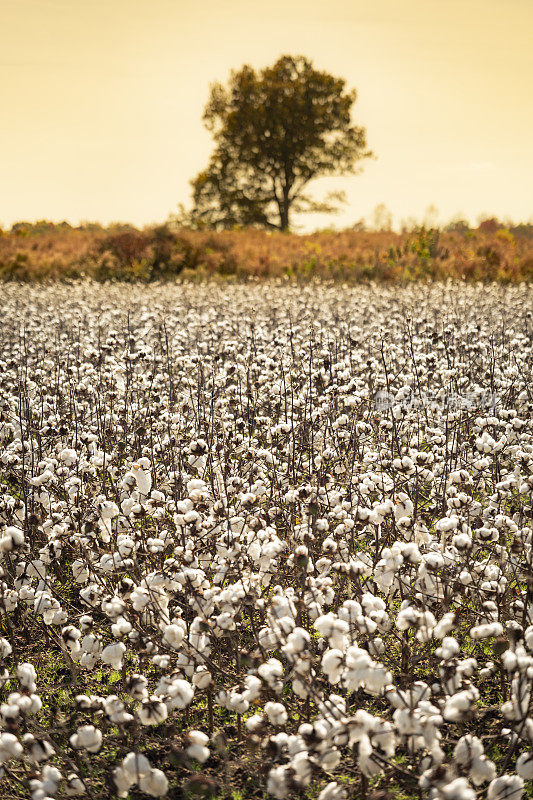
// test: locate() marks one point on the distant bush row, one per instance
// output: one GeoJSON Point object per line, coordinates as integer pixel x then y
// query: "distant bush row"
{"type": "Point", "coordinates": [45, 251]}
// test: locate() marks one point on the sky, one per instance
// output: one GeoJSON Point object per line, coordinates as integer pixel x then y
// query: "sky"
{"type": "Point", "coordinates": [102, 101]}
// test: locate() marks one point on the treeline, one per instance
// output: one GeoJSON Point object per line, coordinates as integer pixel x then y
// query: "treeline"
{"type": "Point", "coordinates": [45, 250]}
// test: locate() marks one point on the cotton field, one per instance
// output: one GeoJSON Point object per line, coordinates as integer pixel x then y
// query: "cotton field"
{"type": "Point", "coordinates": [266, 541]}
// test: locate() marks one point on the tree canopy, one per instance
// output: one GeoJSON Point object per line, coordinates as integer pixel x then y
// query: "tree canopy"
{"type": "Point", "coordinates": [275, 131]}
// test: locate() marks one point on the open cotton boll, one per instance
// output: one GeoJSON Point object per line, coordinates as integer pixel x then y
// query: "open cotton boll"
{"type": "Point", "coordinates": [507, 787]}
{"type": "Point", "coordinates": [13, 537]}
{"type": "Point", "coordinates": [152, 711]}
{"type": "Point", "coordinates": [87, 737]}
{"type": "Point", "coordinates": [154, 784]}
{"type": "Point", "coordinates": [196, 748]}
{"type": "Point", "coordinates": [143, 479]}
{"type": "Point", "coordinates": [136, 765]}
{"type": "Point", "coordinates": [173, 636]}
{"type": "Point", "coordinates": [486, 630]}
{"type": "Point", "coordinates": [113, 654]}
{"type": "Point", "coordinates": [74, 785]}
{"type": "Point", "coordinates": [333, 791]}
{"type": "Point", "coordinates": [276, 713]}
{"type": "Point", "coordinates": [524, 766]}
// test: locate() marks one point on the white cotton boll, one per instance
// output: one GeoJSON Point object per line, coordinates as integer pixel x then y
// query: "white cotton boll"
{"type": "Point", "coordinates": [80, 571]}
{"type": "Point", "coordinates": [524, 766]}
{"type": "Point", "coordinates": [39, 750]}
{"type": "Point", "coordinates": [278, 782]}
{"type": "Point", "coordinates": [507, 787]}
{"type": "Point", "coordinates": [143, 479]}
{"type": "Point", "coordinates": [448, 649]}
{"type": "Point", "coordinates": [136, 686]}
{"type": "Point", "coordinates": [27, 676]}
{"type": "Point", "coordinates": [202, 678]}
{"type": "Point", "coordinates": [12, 538]}
{"type": "Point", "coordinates": [87, 737]}
{"type": "Point", "coordinates": [113, 654]}
{"type": "Point", "coordinates": [482, 770]}
{"type": "Point", "coordinates": [123, 781]}
{"type": "Point", "coordinates": [152, 712]}
{"type": "Point", "coordinates": [324, 624]}
{"type": "Point", "coordinates": [486, 630]}
{"type": "Point", "coordinates": [68, 456]}
{"type": "Point", "coordinates": [237, 702]}
{"type": "Point", "coordinates": [271, 671]}
{"type": "Point", "coordinates": [5, 648]}
{"type": "Point", "coordinates": [462, 541]}
{"type": "Point", "coordinates": [181, 694]}
{"type": "Point", "coordinates": [297, 642]}
{"type": "Point", "coordinates": [276, 713]}
{"type": "Point", "coordinates": [74, 785]}
{"type": "Point", "coordinates": [253, 687]}
{"type": "Point", "coordinates": [136, 765]}
{"type": "Point", "coordinates": [197, 746]}
{"type": "Point", "coordinates": [333, 665]}
{"type": "Point", "coordinates": [255, 724]}
{"type": "Point", "coordinates": [140, 598]}
{"type": "Point", "coordinates": [10, 747]}
{"type": "Point", "coordinates": [459, 704]}
{"type": "Point", "coordinates": [173, 636]}
{"type": "Point", "coordinates": [108, 509]}
{"type": "Point", "coordinates": [467, 748]}
{"type": "Point", "coordinates": [333, 791]}
{"type": "Point", "coordinates": [458, 789]}
{"type": "Point", "coordinates": [376, 646]}
{"type": "Point", "coordinates": [121, 627]}
{"type": "Point", "coordinates": [155, 783]}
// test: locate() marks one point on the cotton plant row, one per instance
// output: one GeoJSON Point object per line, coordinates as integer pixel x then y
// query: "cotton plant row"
{"type": "Point", "coordinates": [222, 556]}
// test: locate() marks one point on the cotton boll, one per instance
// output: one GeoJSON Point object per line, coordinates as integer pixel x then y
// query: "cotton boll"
{"type": "Point", "coordinates": [256, 723]}
{"type": "Point", "coordinates": [5, 648]}
{"type": "Point", "coordinates": [507, 787]}
{"type": "Point", "coordinates": [87, 737]}
{"type": "Point", "coordinates": [10, 747]}
{"type": "Point", "coordinates": [136, 765]}
{"type": "Point", "coordinates": [152, 712]}
{"type": "Point", "coordinates": [39, 750]}
{"type": "Point", "coordinates": [74, 785]}
{"type": "Point", "coordinates": [333, 791]}
{"type": "Point", "coordinates": [278, 782]}
{"type": "Point", "coordinates": [113, 654]}
{"type": "Point", "coordinates": [173, 636]}
{"type": "Point", "coordinates": [333, 665]}
{"type": "Point", "coordinates": [202, 678]}
{"type": "Point", "coordinates": [486, 630]}
{"type": "Point", "coordinates": [458, 789]}
{"type": "Point", "coordinates": [276, 713]}
{"type": "Point", "coordinates": [524, 766]}
{"type": "Point", "coordinates": [27, 676]}
{"type": "Point", "coordinates": [271, 671]}
{"type": "Point", "coordinates": [12, 538]}
{"type": "Point", "coordinates": [143, 479]}
{"type": "Point", "coordinates": [196, 748]}
{"type": "Point", "coordinates": [154, 784]}
{"type": "Point", "coordinates": [136, 686]}
{"type": "Point", "coordinates": [448, 649]}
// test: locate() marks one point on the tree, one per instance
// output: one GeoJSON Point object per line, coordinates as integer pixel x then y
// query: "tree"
{"type": "Point", "coordinates": [275, 131]}
{"type": "Point", "coordinates": [382, 218]}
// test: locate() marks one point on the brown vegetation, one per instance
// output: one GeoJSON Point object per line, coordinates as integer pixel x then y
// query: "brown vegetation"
{"type": "Point", "coordinates": [46, 251]}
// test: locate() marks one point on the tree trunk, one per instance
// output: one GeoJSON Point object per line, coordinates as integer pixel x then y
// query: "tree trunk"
{"type": "Point", "coordinates": [284, 209]}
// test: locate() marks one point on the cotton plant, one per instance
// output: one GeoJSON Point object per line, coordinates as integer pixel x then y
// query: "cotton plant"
{"type": "Point", "coordinates": [312, 519]}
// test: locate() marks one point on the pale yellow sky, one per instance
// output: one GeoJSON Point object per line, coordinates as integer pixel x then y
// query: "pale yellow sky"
{"type": "Point", "coordinates": [102, 100]}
